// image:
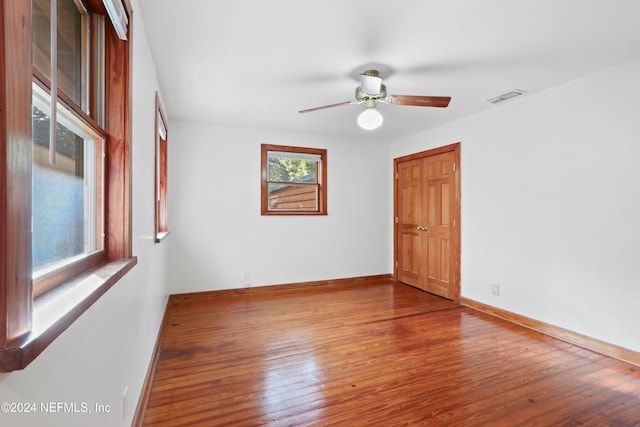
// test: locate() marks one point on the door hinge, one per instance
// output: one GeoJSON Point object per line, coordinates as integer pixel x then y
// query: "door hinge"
{"type": "Point", "coordinates": [454, 167]}
{"type": "Point", "coordinates": [454, 223]}
{"type": "Point", "coordinates": [396, 264]}
{"type": "Point", "coordinates": [397, 175]}
{"type": "Point", "coordinates": [396, 220]}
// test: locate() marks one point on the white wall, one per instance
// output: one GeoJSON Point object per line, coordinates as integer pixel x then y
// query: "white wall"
{"type": "Point", "coordinates": [218, 232]}
{"type": "Point", "coordinates": [109, 347]}
{"type": "Point", "coordinates": [551, 204]}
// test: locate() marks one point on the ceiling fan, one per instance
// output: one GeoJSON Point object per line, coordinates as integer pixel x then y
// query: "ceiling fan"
{"type": "Point", "coordinates": [371, 91]}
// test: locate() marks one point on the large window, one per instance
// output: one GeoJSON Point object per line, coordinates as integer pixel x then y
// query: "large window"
{"type": "Point", "coordinates": [67, 208]}
{"type": "Point", "coordinates": [293, 180]}
{"type": "Point", "coordinates": [68, 144]}
{"type": "Point", "coordinates": [65, 166]}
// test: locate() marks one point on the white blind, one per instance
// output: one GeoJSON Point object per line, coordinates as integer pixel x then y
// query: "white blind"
{"type": "Point", "coordinates": [162, 131]}
{"type": "Point", "coordinates": [118, 16]}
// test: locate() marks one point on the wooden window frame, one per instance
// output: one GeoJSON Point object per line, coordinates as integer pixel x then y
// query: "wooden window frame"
{"type": "Point", "coordinates": [321, 178]}
{"type": "Point", "coordinates": [161, 173]}
{"type": "Point", "coordinates": [33, 323]}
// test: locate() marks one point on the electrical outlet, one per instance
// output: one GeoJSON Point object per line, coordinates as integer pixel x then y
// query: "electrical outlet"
{"type": "Point", "coordinates": [247, 274]}
{"type": "Point", "coordinates": [495, 289]}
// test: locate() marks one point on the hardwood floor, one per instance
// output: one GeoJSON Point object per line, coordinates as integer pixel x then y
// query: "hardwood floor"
{"type": "Point", "coordinates": [377, 354]}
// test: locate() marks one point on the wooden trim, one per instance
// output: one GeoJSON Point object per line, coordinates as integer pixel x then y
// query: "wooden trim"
{"type": "Point", "coordinates": [48, 282]}
{"type": "Point", "coordinates": [430, 152]}
{"type": "Point", "coordinates": [15, 170]}
{"type": "Point", "coordinates": [96, 6]}
{"type": "Point", "coordinates": [456, 148]}
{"type": "Point", "coordinates": [566, 335]}
{"type": "Point", "coordinates": [118, 126]}
{"type": "Point", "coordinates": [288, 287]}
{"type": "Point", "coordinates": [143, 399]}
{"type": "Point", "coordinates": [457, 238]}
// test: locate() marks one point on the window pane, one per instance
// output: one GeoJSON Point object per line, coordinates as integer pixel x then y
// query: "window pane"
{"type": "Point", "coordinates": [70, 45]}
{"type": "Point", "coordinates": [293, 197]}
{"type": "Point", "coordinates": [282, 169]}
{"type": "Point", "coordinates": [70, 54]}
{"type": "Point", "coordinates": [41, 11]}
{"type": "Point", "coordinates": [66, 197]}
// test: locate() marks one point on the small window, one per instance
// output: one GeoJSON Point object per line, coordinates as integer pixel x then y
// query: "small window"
{"type": "Point", "coordinates": [294, 180]}
{"type": "Point", "coordinates": [162, 227]}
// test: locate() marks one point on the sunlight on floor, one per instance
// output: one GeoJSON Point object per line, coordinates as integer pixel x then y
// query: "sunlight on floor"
{"type": "Point", "coordinates": [610, 378]}
{"type": "Point", "coordinates": [286, 387]}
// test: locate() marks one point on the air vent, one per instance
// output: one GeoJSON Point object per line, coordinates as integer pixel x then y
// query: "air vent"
{"type": "Point", "coordinates": [507, 95]}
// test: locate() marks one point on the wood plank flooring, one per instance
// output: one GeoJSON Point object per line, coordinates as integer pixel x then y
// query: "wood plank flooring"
{"type": "Point", "coordinates": [378, 354]}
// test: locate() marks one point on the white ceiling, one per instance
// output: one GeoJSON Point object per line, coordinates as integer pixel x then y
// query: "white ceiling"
{"type": "Point", "coordinates": [256, 63]}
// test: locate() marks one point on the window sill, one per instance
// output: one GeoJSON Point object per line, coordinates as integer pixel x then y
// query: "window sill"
{"type": "Point", "coordinates": [161, 236]}
{"type": "Point", "coordinates": [56, 310]}
{"type": "Point", "coordinates": [292, 213]}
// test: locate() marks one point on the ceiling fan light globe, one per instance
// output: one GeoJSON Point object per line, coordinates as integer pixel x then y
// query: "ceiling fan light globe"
{"type": "Point", "coordinates": [370, 119]}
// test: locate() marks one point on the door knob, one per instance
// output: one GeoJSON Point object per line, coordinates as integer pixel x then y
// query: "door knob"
{"type": "Point", "coordinates": [421, 227]}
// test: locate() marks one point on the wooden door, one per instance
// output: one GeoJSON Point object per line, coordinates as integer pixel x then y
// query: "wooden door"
{"type": "Point", "coordinates": [427, 221]}
{"type": "Point", "coordinates": [409, 238]}
{"type": "Point", "coordinates": [438, 220]}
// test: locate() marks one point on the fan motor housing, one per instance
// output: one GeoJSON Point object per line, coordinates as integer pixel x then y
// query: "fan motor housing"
{"type": "Point", "coordinates": [361, 95]}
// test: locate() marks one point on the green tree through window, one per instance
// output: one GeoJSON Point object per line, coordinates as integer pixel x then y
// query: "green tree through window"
{"type": "Point", "coordinates": [290, 170]}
